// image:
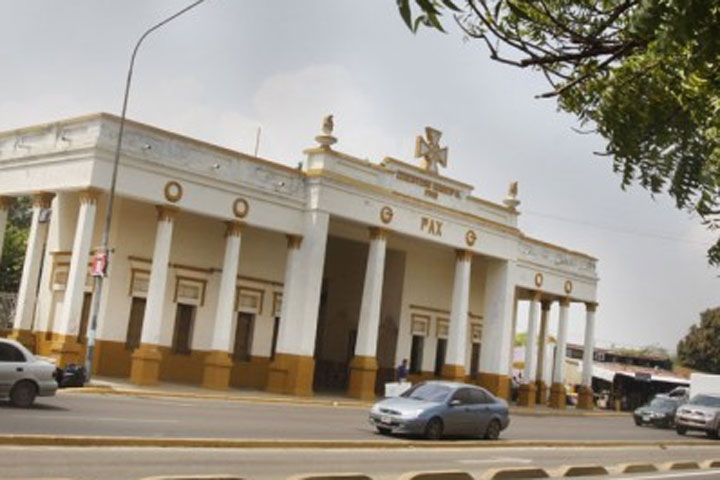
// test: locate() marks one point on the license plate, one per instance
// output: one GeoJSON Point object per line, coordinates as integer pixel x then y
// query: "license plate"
{"type": "Point", "coordinates": [646, 418]}
{"type": "Point", "coordinates": [385, 419]}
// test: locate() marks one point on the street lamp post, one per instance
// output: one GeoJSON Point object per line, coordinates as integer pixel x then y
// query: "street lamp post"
{"type": "Point", "coordinates": [103, 252]}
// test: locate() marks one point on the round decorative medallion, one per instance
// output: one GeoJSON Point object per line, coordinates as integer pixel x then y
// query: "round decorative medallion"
{"type": "Point", "coordinates": [470, 238]}
{"type": "Point", "coordinates": [173, 191]}
{"type": "Point", "coordinates": [568, 286]}
{"type": "Point", "coordinates": [241, 207]}
{"type": "Point", "coordinates": [538, 279]}
{"type": "Point", "coordinates": [386, 214]}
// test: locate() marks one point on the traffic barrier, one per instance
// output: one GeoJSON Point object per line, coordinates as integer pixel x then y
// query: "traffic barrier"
{"type": "Point", "coordinates": [710, 464]}
{"type": "Point", "coordinates": [580, 471]}
{"type": "Point", "coordinates": [330, 476]}
{"type": "Point", "coordinates": [438, 475]}
{"type": "Point", "coordinates": [514, 473]}
{"type": "Point", "coordinates": [679, 466]}
{"type": "Point", "coordinates": [636, 468]}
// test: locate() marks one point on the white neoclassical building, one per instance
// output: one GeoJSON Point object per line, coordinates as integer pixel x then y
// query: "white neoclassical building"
{"type": "Point", "coordinates": [230, 270]}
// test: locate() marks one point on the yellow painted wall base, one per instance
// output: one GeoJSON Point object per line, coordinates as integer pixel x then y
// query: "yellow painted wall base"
{"type": "Point", "coordinates": [145, 369]}
{"type": "Point", "coordinates": [541, 393]}
{"type": "Point", "coordinates": [112, 359]}
{"type": "Point", "coordinates": [291, 374]}
{"type": "Point", "coordinates": [526, 395]}
{"type": "Point", "coordinates": [454, 373]}
{"type": "Point", "coordinates": [557, 396]}
{"type": "Point", "coordinates": [216, 372]}
{"type": "Point", "coordinates": [498, 385]}
{"type": "Point", "coordinates": [26, 337]}
{"type": "Point", "coordinates": [252, 374]}
{"type": "Point", "coordinates": [420, 377]}
{"type": "Point", "coordinates": [585, 398]}
{"type": "Point", "coordinates": [363, 372]}
{"type": "Point", "coordinates": [66, 350]}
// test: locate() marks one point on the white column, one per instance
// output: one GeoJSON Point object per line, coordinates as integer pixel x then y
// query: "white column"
{"type": "Point", "coordinates": [27, 293]}
{"type": "Point", "coordinates": [542, 344]}
{"type": "Point", "coordinates": [589, 346]}
{"type": "Point", "coordinates": [77, 273]}
{"type": "Point", "coordinates": [152, 320]}
{"type": "Point", "coordinates": [559, 369]}
{"type": "Point", "coordinates": [497, 324]}
{"type": "Point", "coordinates": [457, 334]}
{"type": "Point", "coordinates": [369, 321]}
{"type": "Point", "coordinates": [222, 334]}
{"type": "Point", "coordinates": [5, 203]}
{"type": "Point", "coordinates": [287, 321]}
{"type": "Point", "coordinates": [531, 343]}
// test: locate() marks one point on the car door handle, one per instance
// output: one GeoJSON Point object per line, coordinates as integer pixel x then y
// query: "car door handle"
{"type": "Point", "coordinates": [19, 369]}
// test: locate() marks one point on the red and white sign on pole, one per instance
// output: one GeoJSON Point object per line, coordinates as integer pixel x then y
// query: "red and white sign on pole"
{"type": "Point", "coordinates": [99, 263]}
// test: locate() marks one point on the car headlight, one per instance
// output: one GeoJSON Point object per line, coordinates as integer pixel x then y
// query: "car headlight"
{"type": "Point", "coordinates": [412, 413]}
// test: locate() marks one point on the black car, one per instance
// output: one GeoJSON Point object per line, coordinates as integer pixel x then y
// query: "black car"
{"type": "Point", "coordinates": [660, 412]}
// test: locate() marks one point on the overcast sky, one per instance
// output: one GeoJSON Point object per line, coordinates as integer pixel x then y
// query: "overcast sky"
{"type": "Point", "coordinates": [231, 66]}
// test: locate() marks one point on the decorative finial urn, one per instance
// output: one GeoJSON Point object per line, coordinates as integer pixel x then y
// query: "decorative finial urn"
{"type": "Point", "coordinates": [326, 139]}
{"type": "Point", "coordinates": [511, 201]}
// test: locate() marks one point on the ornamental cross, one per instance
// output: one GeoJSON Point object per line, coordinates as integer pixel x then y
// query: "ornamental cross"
{"type": "Point", "coordinates": [430, 150]}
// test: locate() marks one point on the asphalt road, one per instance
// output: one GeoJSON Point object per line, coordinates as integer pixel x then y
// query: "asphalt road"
{"type": "Point", "coordinates": [266, 464]}
{"type": "Point", "coordinates": [118, 415]}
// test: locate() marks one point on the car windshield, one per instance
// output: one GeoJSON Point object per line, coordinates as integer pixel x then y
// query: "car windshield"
{"type": "Point", "coordinates": [428, 392]}
{"type": "Point", "coordinates": [663, 403]}
{"type": "Point", "coordinates": [705, 401]}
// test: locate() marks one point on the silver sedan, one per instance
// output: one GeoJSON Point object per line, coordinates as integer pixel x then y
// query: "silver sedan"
{"type": "Point", "coordinates": [438, 408]}
{"type": "Point", "coordinates": [23, 376]}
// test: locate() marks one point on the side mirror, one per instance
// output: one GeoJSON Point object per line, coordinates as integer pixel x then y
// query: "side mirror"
{"type": "Point", "coordinates": [455, 403]}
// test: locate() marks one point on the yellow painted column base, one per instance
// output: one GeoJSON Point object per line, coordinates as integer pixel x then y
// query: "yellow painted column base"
{"type": "Point", "coordinates": [541, 393]}
{"type": "Point", "coordinates": [26, 337]}
{"type": "Point", "coordinates": [526, 395]}
{"type": "Point", "coordinates": [585, 398]}
{"type": "Point", "coordinates": [558, 396]}
{"type": "Point", "coordinates": [363, 373]}
{"type": "Point", "coordinates": [67, 350]}
{"type": "Point", "coordinates": [498, 385]}
{"type": "Point", "coordinates": [291, 375]}
{"type": "Point", "coordinates": [216, 370]}
{"type": "Point", "coordinates": [145, 366]}
{"type": "Point", "coordinates": [454, 373]}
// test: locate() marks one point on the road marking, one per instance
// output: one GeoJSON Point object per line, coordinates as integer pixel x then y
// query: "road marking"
{"type": "Point", "coordinates": [99, 419]}
{"type": "Point", "coordinates": [676, 474]}
{"type": "Point", "coordinates": [475, 461]}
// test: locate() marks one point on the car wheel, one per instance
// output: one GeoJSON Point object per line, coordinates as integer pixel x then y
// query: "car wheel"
{"type": "Point", "coordinates": [680, 430]}
{"type": "Point", "coordinates": [492, 432]}
{"type": "Point", "coordinates": [23, 394]}
{"type": "Point", "coordinates": [638, 422]}
{"type": "Point", "coordinates": [434, 429]}
{"type": "Point", "coordinates": [383, 430]}
{"type": "Point", "coordinates": [712, 434]}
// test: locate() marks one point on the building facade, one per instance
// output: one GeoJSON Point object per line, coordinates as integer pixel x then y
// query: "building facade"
{"type": "Point", "coordinates": [230, 270]}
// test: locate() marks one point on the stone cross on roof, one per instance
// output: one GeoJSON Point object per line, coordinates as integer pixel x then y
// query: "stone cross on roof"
{"type": "Point", "coordinates": [430, 150]}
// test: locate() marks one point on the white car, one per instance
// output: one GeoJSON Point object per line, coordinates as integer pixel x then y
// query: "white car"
{"type": "Point", "coordinates": [23, 376]}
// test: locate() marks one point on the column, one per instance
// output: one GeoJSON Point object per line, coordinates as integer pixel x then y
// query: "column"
{"type": "Point", "coordinates": [66, 348]}
{"type": "Point", "coordinates": [454, 367]}
{"type": "Point", "coordinates": [363, 367]}
{"type": "Point", "coordinates": [497, 326]}
{"type": "Point", "coordinates": [585, 395]}
{"type": "Point", "coordinates": [27, 292]}
{"type": "Point", "coordinates": [557, 390]}
{"type": "Point", "coordinates": [216, 372]}
{"type": "Point", "coordinates": [5, 204]}
{"type": "Point", "coordinates": [541, 394]}
{"type": "Point", "coordinates": [145, 368]}
{"type": "Point", "coordinates": [526, 396]}
{"type": "Point", "coordinates": [293, 369]}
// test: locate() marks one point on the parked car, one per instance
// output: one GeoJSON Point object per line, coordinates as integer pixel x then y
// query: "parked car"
{"type": "Point", "coordinates": [702, 413]}
{"type": "Point", "coordinates": [438, 408]}
{"type": "Point", "coordinates": [660, 412]}
{"type": "Point", "coordinates": [23, 376]}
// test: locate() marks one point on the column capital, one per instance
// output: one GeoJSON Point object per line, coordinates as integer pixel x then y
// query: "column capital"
{"type": "Point", "coordinates": [89, 195]}
{"type": "Point", "coordinates": [591, 306]}
{"type": "Point", "coordinates": [378, 233]}
{"type": "Point", "coordinates": [6, 202]}
{"type": "Point", "coordinates": [535, 296]}
{"type": "Point", "coordinates": [294, 241]}
{"type": "Point", "coordinates": [166, 213]}
{"type": "Point", "coordinates": [42, 199]}
{"type": "Point", "coordinates": [233, 228]}
{"type": "Point", "coordinates": [565, 302]}
{"type": "Point", "coordinates": [545, 305]}
{"type": "Point", "coordinates": [462, 255]}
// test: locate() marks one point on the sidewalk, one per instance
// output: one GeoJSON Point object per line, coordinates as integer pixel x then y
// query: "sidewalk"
{"type": "Point", "coordinates": [118, 386]}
